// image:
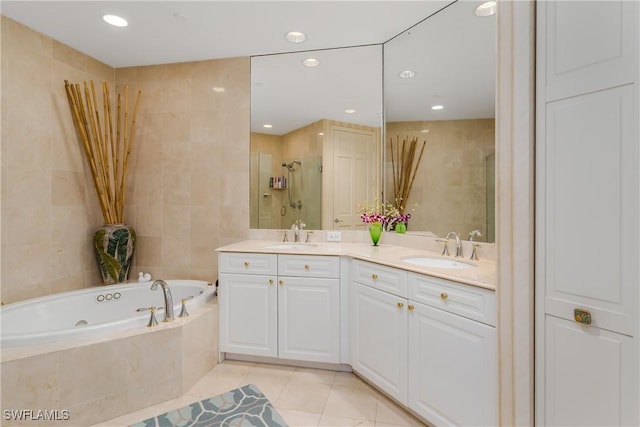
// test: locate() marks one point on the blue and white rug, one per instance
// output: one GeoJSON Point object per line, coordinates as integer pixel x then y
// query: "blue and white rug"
{"type": "Point", "coordinates": [244, 406]}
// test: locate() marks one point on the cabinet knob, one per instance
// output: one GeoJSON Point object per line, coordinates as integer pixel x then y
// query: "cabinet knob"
{"type": "Point", "coordinates": [410, 307]}
{"type": "Point", "coordinates": [444, 296]}
{"type": "Point", "coordinates": [280, 282]}
{"type": "Point", "coordinates": [271, 281]}
{"type": "Point", "coordinates": [374, 276]}
{"type": "Point", "coordinates": [400, 305]}
{"type": "Point", "coordinates": [582, 316]}
{"type": "Point", "coordinates": [246, 264]}
{"type": "Point", "coordinates": [306, 267]}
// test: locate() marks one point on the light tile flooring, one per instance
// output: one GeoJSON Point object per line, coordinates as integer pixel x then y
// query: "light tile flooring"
{"type": "Point", "coordinates": [303, 396]}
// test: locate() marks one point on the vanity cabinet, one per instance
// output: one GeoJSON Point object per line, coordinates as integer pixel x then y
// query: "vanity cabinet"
{"type": "Point", "coordinates": [452, 352]}
{"type": "Point", "coordinates": [427, 342]}
{"type": "Point", "coordinates": [285, 306]}
{"type": "Point", "coordinates": [379, 339]}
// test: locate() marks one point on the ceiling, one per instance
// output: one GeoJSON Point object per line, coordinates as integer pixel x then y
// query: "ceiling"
{"type": "Point", "coordinates": [161, 32]}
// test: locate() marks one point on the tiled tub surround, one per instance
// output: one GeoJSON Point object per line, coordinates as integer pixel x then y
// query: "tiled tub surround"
{"type": "Point", "coordinates": [94, 311]}
{"type": "Point", "coordinates": [98, 378]}
{"type": "Point", "coordinates": [423, 336]}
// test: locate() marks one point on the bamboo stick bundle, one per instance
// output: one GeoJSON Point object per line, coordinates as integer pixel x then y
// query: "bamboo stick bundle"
{"type": "Point", "coordinates": [106, 149]}
{"type": "Point", "coordinates": [404, 173]}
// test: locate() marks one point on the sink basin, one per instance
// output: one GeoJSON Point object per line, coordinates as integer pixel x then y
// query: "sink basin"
{"type": "Point", "coordinates": [290, 246]}
{"type": "Point", "coordinates": [436, 262]}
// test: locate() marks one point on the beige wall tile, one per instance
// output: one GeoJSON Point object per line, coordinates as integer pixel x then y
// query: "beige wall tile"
{"type": "Point", "coordinates": [191, 142]}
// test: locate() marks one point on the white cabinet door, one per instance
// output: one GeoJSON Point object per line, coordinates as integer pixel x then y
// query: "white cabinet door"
{"type": "Point", "coordinates": [453, 368]}
{"type": "Point", "coordinates": [309, 319]}
{"type": "Point", "coordinates": [589, 376]}
{"type": "Point", "coordinates": [379, 339]}
{"type": "Point", "coordinates": [248, 314]}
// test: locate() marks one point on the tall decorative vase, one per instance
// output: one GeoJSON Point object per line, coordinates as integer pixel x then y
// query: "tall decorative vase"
{"type": "Point", "coordinates": [375, 231]}
{"type": "Point", "coordinates": [114, 244]}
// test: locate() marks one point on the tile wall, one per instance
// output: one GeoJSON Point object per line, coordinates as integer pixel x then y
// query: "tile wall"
{"type": "Point", "coordinates": [189, 183]}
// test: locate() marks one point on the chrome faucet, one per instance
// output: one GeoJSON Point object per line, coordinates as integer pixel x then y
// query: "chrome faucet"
{"type": "Point", "coordinates": [474, 245]}
{"type": "Point", "coordinates": [168, 299]}
{"type": "Point", "coordinates": [458, 243]}
{"type": "Point", "coordinates": [296, 227]}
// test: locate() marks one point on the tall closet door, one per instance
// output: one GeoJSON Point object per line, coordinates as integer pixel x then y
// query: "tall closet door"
{"type": "Point", "coordinates": [587, 213]}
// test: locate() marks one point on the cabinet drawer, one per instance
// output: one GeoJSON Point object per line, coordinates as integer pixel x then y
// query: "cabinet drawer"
{"type": "Point", "coordinates": [464, 300]}
{"type": "Point", "coordinates": [308, 266]}
{"type": "Point", "coordinates": [381, 277]}
{"type": "Point", "coordinates": [248, 263]}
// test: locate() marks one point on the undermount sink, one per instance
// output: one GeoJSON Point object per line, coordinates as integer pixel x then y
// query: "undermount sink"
{"type": "Point", "coordinates": [437, 262]}
{"type": "Point", "coordinates": [290, 246]}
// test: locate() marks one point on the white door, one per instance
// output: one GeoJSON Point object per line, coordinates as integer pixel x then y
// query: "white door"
{"type": "Point", "coordinates": [248, 314]}
{"type": "Point", "coordinates": [309, 319]}
{"type": "Point", "coordinates": [452, 368]}
{"type": "Point", "coordinates": [378, 334]}
{"type": "Point", "coordinates": [355, 174]}
{"type": "Point", "coordinates": [587, 213]}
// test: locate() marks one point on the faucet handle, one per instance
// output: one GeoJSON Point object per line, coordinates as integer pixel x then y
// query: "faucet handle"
{"type": "Point", "coordinates": [152, 320]}
{"type": "Point", "coordinates": [285, 238]}
{"type": "Point", "coordinates": [183, 310]}
{"type": "Point", "coordinates": [445, 248]}
{"type": "Point", "coordinates": [474, 233]}
{"type": "Point", "coordinates": [474, 252]}
{"type": "Point", "coordinates": [308, 239]}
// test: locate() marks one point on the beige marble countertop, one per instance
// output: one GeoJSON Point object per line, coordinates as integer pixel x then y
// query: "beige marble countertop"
{"type": "Point", "coordinates": [483, 275]}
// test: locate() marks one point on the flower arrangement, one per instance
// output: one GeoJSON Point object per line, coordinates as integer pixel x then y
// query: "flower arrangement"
{"type": "Point", "coordinates": [384, 213]}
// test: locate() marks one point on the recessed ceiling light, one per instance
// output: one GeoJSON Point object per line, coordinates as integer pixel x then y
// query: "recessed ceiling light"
{"type": "Point", "coordinates": [407, 74]}
{"type": "Point", "coordinates": [268, 126]}
{"type": "Point", "coordinates": [437, 107]}
{"type": "Point", "coordinates": [311, 62]}
{"type": "Point", "coordinates": [424, 131]}
{"type": "Point", "coordinates": [486, 9]}
{"type": "Point", "coordinates": [295, 36]}
{"type": "Point", "coordinates": [321, 133]}
{"type": "Point", "coordinates": [218, 89]}
{"type": "Point", "coordinates": [350, 110]}
{"type": "Point", "coordinates": [115, 20]}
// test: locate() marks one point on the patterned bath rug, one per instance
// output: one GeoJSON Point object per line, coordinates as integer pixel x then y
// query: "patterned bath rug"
{"type": "Point", "coordinates": [244, 406]}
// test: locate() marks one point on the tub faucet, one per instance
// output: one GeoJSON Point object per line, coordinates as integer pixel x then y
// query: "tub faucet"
{"type": "Point", "coordinates": [168, 299]}
{"type": "Point", "coordinates": [458, 243]}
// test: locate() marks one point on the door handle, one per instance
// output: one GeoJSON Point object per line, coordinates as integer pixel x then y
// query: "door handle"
{"type": "Point", "coordinates": [582, 316]}
{"type": "Point", "coordinates": [337, 220]}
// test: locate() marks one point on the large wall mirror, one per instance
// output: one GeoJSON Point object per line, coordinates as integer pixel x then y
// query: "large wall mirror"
{"type": "Point", "coordinates": [316, 145]}
{"type": "Point", "coordinates": [318, 162]}
{"type": "Point", "coordinates": [439, 89]}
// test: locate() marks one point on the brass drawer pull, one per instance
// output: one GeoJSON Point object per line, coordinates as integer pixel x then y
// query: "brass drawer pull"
{"type": "Point", "coordinates": [582, 316]}
{"type": "Point", "coordinates": [374, 276]}
{"type": "Point", "coordinates": [400, 305]}
{"type": "Point", "coordinates": [306, 267]}
{"type": "Point", "coordinates": [444, 296]}
{"type": "Point", "coordinates": [246, 264]}
{"type": "Point", "coordinates": [271, 281]}
{"type": "Point", "coordinates": [280, 282]}
{"type": "Point", "coordinates": [410, 307]}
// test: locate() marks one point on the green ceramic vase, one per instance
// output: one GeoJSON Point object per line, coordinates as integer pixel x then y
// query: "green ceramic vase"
{"type": "Point", "coordinates": [401, 228]}
{"type": "Point", "coordinates": [375, 231]}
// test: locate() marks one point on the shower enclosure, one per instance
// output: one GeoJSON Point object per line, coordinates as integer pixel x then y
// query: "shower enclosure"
{"type": "Point", "coordinates": [303, 199]}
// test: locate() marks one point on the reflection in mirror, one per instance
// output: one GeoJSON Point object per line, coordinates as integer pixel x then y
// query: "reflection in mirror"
{"type": "Point", "coordinates": [447, 60]}
{"type": "Point", "coordinates": [315, 137]}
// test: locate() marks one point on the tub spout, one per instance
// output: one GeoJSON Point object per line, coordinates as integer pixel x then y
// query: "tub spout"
{"type": "Point", "coordinates": [168, 299]}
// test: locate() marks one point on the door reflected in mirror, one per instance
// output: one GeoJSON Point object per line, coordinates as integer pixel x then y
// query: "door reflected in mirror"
{"type": "Point", "coordinates": [316, 141]}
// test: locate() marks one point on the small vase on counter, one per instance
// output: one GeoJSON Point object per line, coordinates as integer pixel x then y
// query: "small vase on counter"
{"type": "Point", "coordinates": [375, 231]}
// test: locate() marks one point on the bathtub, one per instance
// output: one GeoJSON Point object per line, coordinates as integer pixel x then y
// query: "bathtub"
{"type": "Point", "coordinates": [46, 360]}
{"type": "Point", "coordinates": [93, 311]}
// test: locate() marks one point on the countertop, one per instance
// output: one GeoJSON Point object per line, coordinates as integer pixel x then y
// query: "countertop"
{"type": "Point", "coordinates": [483, 275]}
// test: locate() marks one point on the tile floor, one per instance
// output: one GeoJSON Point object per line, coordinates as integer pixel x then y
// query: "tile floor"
{"type": "Point", "coordinates": [303, 396]}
